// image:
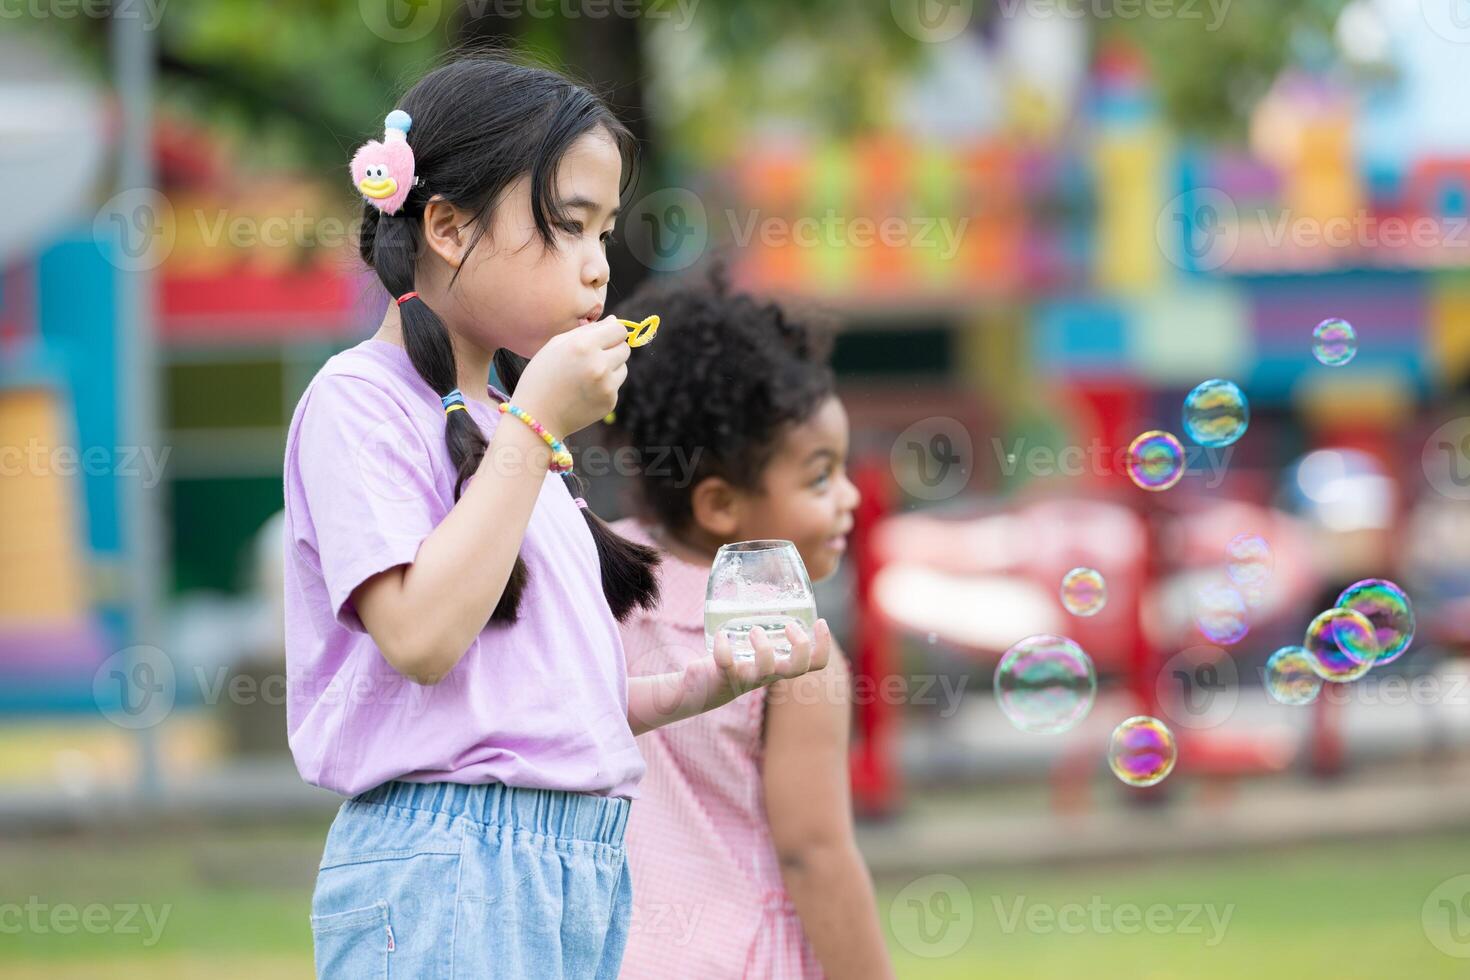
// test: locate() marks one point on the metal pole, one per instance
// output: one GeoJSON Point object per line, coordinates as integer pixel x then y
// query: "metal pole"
{"type": "Point", "coordinates": [133, 58]}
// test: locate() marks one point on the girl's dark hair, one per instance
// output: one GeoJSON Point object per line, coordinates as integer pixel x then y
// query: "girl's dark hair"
{"type": "Point", "coordinates": [479, 123]}
{"type": "Point", "coordinates": [726, 377]}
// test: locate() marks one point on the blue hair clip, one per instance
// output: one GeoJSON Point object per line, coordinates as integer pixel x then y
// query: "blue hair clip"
{"type": "Point", "coordinates": [452, 401]}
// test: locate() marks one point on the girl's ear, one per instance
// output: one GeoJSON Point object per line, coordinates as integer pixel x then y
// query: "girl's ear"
{"type": "Point", "coordinates": [715, 506]}
{"type": "Point", "coordinates": [446, 231]}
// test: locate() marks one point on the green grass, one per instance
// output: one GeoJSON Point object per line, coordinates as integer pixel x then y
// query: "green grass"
{"type": "Point", "coordinates": [237, 904]}
{"type": "Point", "coordinates": [1339, 910]}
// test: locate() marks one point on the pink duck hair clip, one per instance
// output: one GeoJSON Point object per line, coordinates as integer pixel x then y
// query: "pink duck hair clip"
{"type": "Point", "coordinates": [383, 172]}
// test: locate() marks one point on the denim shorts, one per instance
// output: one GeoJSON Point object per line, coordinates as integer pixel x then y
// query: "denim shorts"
{"type": "Point", "coordinates": [441, 880]}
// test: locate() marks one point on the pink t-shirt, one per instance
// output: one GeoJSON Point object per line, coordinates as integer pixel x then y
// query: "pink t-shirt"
{"type": "Point", "coordinates": [708, 897]}
{"type": "Point", "coordinates": [541, 703]}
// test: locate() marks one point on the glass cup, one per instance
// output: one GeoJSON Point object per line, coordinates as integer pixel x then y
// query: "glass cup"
{"type": "Point", "coordinates": [758, 583]}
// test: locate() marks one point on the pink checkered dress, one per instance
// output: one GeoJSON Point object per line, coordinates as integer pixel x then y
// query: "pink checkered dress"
{"type": "Point", "coordinates": [708, 900]}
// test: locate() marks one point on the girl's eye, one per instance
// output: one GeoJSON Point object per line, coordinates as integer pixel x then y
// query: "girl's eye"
{"type": "Point", "coordinates": [608, 238]}
{"type": "Point", "coordinates": [572, 227]}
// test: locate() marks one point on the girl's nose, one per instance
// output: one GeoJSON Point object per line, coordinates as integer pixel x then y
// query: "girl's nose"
{"type": "Point", "coordinates": [854, 495]}
{"type": "Point", "coordinates": [595, 272]}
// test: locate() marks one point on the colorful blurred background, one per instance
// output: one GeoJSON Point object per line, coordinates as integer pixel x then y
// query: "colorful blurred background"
{"type": "Point", "coordinates": [1039, 223]}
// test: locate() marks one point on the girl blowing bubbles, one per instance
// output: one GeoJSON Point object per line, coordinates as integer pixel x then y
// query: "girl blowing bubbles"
{"type": "Point", "coordinates": [741, 846]}
{"type": "Point", "coordinates": [454, 661]}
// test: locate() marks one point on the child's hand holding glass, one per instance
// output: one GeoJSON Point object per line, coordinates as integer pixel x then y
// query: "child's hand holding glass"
{"type": "Point", "coordinates": [723, 676]}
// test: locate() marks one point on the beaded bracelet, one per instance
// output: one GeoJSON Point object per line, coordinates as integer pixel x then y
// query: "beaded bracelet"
{"type": "Point", "coordinates": [561, 460]}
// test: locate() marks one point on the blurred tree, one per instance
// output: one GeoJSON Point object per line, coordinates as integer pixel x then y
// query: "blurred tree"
{"type": "Point", "coordinates": [304, 80]}
{"type": "Point", "coordinates": [1212, 60]}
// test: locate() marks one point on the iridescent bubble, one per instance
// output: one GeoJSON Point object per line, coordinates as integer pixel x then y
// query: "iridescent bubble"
{"type": "Point", "coordinates": [1248, 560]}
{"type": "Point", "coordinates": [1388, 608]}
{"type": "Point", "coordinates": [1342, 645]}
{"type": "Point", "coordinates": [1291, 678]}
{"type": "Point", "coordinates": [1045, 684]}
{"type": "Point", "coordinates": [1155, 460]}
{"type": "Point", "coordinates": [1142, 751]}
{"type": "Point", "coordinates": [1216, 413]}
{"type": "Point", "coordinates": [1084, 592]}
{"type": "Point", "coordinates": [1221, 614]}
{"type": "Point", "coordinates": [1334, 342]}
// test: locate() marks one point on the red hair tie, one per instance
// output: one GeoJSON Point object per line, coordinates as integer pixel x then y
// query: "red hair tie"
{"type": "Point", "coordinates": [406, 297]}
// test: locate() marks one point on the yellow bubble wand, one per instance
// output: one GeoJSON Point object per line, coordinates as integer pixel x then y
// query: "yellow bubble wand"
{"type": "Point", "coordinates": [640, 332]}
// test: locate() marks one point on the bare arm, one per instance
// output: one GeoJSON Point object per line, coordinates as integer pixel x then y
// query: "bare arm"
{"type": "Point", "coordinates": [809, 807]}
{"type": "Point", "coordinates": [424, 616]}
{"type": "Point", "coordinates": [656, 700]}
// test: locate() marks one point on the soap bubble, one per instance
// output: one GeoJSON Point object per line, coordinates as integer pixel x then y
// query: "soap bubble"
{"type": "Point", "coordinates": [1216, 413]}
{"type": "Point", "coordinates": [1342, 645]}
{"type": "Point", "coordinates": [1248, 560]}
{"type": "Point", "coordinates": [1155, 460]}
{"type": "Point", "coordinates": [1084, 592]}
{"type": "Point", "coordinates": [1388, 608]}
{"type": "Point", "coordinates": [1221, 614]}
{"type": "Point", "coordinates": [1045, 684]}
{"type": "Point", "coordinates": [1334, 342]}
{"type": "Point", "coordinates": [1142, 751]}
{"type": "Point", "coordinates": [1291, 678]}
